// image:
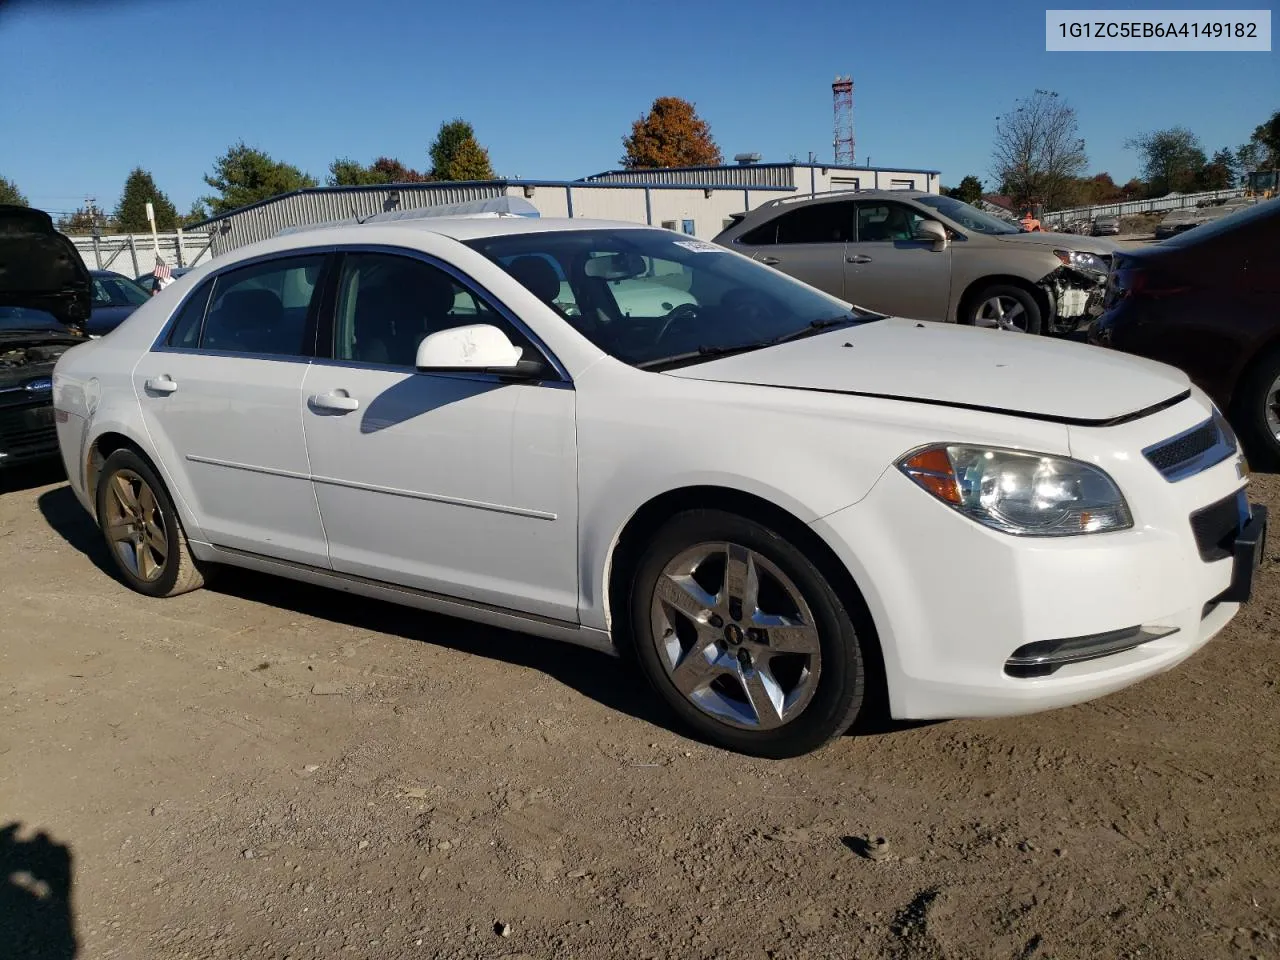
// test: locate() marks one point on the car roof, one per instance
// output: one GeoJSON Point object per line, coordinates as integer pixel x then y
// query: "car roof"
{"type": "Point", "coordinates": [471, 228]}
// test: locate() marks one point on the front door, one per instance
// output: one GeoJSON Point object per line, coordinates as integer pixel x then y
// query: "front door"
{"type": "Point", "coordinates": [222, 401]}
{"type": "Point", "coordinates": [457, 484]}
{"type": "Point", "coordinates": [889, 271]}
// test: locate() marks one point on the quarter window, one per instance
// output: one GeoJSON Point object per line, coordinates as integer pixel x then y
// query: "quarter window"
{"type": "Point", "coordinates": [263, 308]}
{"type": "Point", "coordinates": [185, 333]}
{"type": "Point", "coordinates": [388, 304]}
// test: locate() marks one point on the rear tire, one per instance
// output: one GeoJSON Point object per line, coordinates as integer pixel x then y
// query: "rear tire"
{"type": "Point", "coordinates": [1002, 306]}
{"type": "Point", "coordinates": [1257, 412]}
{"type": "Point", "coordinates": [142, 529]}
{"type": "Point", "coordinates": [743, 636]}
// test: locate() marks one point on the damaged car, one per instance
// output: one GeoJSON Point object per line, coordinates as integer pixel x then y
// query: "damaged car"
{"type": "Point", "coordinates": [45, 302]}
{"type": "Point", "coordinates": [929, 257]}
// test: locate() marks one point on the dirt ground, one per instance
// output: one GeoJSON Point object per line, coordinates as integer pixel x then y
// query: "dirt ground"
{"type": "Point", "coordinates": [268, 770]}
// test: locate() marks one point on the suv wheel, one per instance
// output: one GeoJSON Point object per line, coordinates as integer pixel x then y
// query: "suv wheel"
{"type": "Point", "coordinates": [1004, 307]}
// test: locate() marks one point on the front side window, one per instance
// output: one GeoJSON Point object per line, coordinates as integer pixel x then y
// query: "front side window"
{"type": "Point", "coordinates": [388, 304]}
{"type": "Point", "coordinates": [263, 308]}
{"type": "Point", "coordinates": [650, 297]}
{"type": "Point", "coordinates": [886, 222]}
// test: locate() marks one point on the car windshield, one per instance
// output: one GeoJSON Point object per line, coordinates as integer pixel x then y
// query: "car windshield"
{"type": "Point", "coordinates": [653, 298]}
{"type": "Point", "coordinates": [25, 318]}
{"type": "Point", "coordinates": [967, 216]}
{"type": "Point", "coordinates": [117, 292]}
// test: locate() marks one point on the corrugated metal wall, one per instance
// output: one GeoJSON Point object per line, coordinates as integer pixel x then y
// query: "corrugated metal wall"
{"type": "Point", "coordinates": [266, 220]}
{"type": "Point", "coordinates": [747, 175]}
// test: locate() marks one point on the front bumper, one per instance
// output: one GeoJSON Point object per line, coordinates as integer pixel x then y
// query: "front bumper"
{"type": "Point", "coordinates": [28, 433]}
{"type": "Point", "coordinates": [955, 602]}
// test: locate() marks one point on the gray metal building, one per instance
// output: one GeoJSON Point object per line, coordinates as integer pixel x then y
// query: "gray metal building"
{"type": "Point", "coordinates": [694, 200]}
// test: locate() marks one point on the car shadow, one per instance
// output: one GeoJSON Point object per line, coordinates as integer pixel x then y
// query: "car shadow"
{"type": "Point", "coordinates": [35, 897]}
{"type": "Point", "coordinates": [605, 679]}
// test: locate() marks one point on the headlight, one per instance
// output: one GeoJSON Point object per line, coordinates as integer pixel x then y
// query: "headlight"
{"type": "Point", "coordinates": [1025, 494]}
{"type": "Point", "coordinates": [1090, 262]}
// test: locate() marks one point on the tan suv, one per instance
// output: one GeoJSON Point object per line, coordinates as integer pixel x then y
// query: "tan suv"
{"type": "Point", "coordinates": [928, 257]}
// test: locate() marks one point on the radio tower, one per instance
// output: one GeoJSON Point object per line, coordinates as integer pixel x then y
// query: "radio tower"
{"type": "Point", "coordinates": [842, 99]}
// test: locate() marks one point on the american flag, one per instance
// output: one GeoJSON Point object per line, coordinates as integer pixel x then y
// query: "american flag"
{"type": "Point", "coordinates": [162, 271]}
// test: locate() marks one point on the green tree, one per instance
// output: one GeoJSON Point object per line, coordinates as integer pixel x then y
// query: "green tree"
{"type": "Point", "coordinates": [245, 175]}
{"type": "Point", "coordinates": [1219, 173]}
{"type": "Point", "coordinates": [456, 154]}
{"type": "Point", "coordinates": [1172, 160]}
{"type": "Point", "coordinates": [131, 211]}
{"type": "Point", "coordinates": [9, 193]}
{"type": "Point", "coordinates": [196, 214]}
{"type": "Point", "coordinates": [1267, 137]}
{"type": "Point", "coordinates": [969, 190]}
{"type": "Point", "coordinates": [671, 134]}
{"type": "Point", "coordinates": [1038, 153]}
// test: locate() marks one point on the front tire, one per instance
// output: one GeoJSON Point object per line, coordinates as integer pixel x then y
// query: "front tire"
{"type": "Point", "coordinates": [1001, 306]}
{"type": "Point", "coordinates": [743, 637]}
{"type": "Point", "coordinates": [142, 529]}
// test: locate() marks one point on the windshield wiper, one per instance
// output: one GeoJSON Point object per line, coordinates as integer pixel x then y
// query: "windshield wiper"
{"type": "Point", "coordinates": [707, 352]}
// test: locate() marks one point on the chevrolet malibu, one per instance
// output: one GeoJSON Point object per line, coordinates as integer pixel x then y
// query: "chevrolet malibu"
{"type": "Point", "coordinates": [782, 509]}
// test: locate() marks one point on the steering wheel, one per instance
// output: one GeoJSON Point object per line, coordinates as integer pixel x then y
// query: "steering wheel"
{"type": "Point", "coordinates": [685, 311]}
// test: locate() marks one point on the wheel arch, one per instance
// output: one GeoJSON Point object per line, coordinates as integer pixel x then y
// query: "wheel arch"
{"type": "Point", "coordinates": [1265, 351]}
{"type": "Point", "coordinates": [971, 291]}
{"type": "Point", "coordinates": [629, 545]}
{"type": "Point", "coordinates": [108, 440]}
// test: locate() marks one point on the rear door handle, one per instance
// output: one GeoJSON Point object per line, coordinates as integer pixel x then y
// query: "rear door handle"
{"type": "Point", "coordinates": [337, 400]}
{"type": "Point", "coordinates": [161, 384]}
{"type": "Point", "coordinates": [771, 261]}
{"type": "Point", "coordinates": [858, 258]}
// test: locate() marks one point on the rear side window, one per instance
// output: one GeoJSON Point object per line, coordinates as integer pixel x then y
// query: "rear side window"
{"type": "Point", "coordinates": [185, 333]}
{"type": "Point", "coordinates": [263, 308]}
{"type": "Point", "coordinates": [814, 223]}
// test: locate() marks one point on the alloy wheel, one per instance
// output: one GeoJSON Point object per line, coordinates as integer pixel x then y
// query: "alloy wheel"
{"type": "Point", "coordinates": [136, 526]}
{"type": "Point", "coordinates": [1002, 313]}
{"type": "Point", "coordinates": [735, 636]}
{"type": "Point", "coordinates": [1271, 408]}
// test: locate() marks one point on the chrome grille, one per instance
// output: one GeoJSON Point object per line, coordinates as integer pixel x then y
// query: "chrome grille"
{"type": "Point", "coordinates": [1192, 451]}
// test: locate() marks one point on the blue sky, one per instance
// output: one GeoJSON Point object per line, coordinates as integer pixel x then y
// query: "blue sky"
{"type": "Point", "coordinates": [88, 91]}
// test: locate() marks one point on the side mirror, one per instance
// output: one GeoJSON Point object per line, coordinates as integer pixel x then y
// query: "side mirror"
{"type": "Point", "coordinates": [932, 231]}
{"type": "Point", "coordinates": [479, 348]}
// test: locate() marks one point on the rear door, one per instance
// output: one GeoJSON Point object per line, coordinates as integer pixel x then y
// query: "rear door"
{"type": "Point", "coordinates": [890, 271]}
{"type": "Point", "coordinates": [807, 243]}
{"type": "Point", "coordinates": [221, 396]}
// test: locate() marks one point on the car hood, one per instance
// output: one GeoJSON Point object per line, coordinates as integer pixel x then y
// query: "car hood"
{"type": "Point", "coordinates": [1062, 241]}
{"type": "Point", "coordinates": [949, 365]}
{"type": "Point", "coordinates": [40, 268]}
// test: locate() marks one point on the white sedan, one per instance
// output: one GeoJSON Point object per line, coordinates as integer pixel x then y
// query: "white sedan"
{"type": "Point", "coordinates": [785, 508]}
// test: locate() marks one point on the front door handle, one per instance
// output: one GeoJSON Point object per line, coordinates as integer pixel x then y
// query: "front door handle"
{"type": "Point", "coordinates": [161, 384]}
{"type": "Point", "coordinates": [337, 400]}
{"type": "Point", "coordinates": [858, 258]}
{"type": "Point", "coordinates": [771, 261]}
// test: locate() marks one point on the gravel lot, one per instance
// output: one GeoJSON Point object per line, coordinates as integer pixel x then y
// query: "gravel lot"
{"type": "Point", "coordinates": [268, 770]}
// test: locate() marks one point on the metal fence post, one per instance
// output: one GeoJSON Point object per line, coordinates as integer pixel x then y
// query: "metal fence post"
{"type": "Point", "coordinates": [181, 261]}
{"type": "Point", "coordinates": [133, 252]}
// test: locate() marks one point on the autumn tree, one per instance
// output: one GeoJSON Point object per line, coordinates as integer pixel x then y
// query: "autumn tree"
{"type": "Point", "coordinates": [9, 193]}
{"type": "Point", "coordinates": [245, 175]}
{"type": "Point", "coordinates": [1267, 138]}
{"type": "Point", "coordinates": [456, 154]}
{"type": "Point", "coordinates": [968, 191]}
{"type": "Point", "coordinates": [1038, 151]}
{"type": "Point", "coordinates": [350, 173]}
{"type": "Point", "coordinates": [671, 134]}
{"type": "Point", "coordinates": [1171, 160]}
{"type": "Point", "coordinates": [131, 212]}
{"type": "Point", "coordinates": [82, 221]}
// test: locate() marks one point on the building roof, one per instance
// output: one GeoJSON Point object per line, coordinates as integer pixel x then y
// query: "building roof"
{"type": "Point", "coordinates": [802, 164]}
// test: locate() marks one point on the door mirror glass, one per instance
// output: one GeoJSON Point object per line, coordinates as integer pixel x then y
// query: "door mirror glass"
{"type": "Point", "coordinates": [930, 230]}
{"type": "Point", "coordinates": [476, 347]}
